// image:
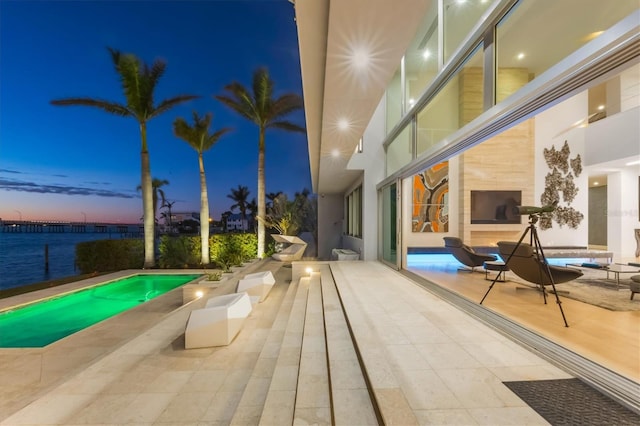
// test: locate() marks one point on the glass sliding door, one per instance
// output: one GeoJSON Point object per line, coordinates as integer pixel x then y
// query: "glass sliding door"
{"type": "Point", "coordinates": [390, 238]}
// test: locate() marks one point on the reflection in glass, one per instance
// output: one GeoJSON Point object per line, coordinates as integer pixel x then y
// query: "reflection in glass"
{"type": "Point", "coordinates": [421, 58]}
{"type": "Point", "coordinates": [394, 101]}
{"type": "Point", "coordinates": [459, 18]}
{"type": "Point", "coordinates": [399, 151]}
{"type": "Point", "coordinates": [456, 104]}
{"type": "Point", "coordinates": [524, 52]}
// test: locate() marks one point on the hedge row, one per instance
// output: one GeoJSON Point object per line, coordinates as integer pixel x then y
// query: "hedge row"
{"type": "Point", "coordinates": [225, 250]}
{"type": "Point", "coordinates": [109, 255]}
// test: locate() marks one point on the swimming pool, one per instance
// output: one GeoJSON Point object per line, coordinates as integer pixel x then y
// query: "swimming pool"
{"type": "Point", "coordinates": [44, 322]}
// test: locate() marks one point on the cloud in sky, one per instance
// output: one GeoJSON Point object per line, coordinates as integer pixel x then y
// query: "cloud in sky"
{"type": "Point", "coordinates": [10, 171]}
{"type": "Point", "coordinates": [25, 186]}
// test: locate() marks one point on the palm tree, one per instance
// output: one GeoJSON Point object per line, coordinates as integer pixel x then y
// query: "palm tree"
{"type": "Point", "coordinates": [201, 140]}
{"type": "Point", "coordinates": [224, 217]}
{"type": "Point", "coordinates": [138, 81]}
{"type": "Point", "coordinates": [261, 108]}
{"type": "Point", "coordinates": [158, 194]}
{"type": "Point", "coordinates": [240, 196]}
{"type": "Point", "coordinates": [271, 196]}
{"type": "Point", "coordinates": [253, 210]}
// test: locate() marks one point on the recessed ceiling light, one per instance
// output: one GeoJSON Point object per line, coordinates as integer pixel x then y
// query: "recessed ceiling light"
{"type": "Point", "coordinates": [335, 152]}
{"type": "Point", "coordinates": [361, 59]}
{"type": "Point", "coordinates": [592, 35]}
{"type": "Point", "coordinates": [520, 56]}
{"type": "Point", "coordinates": [596, 183]}
{"type": "Point", "coordinates": [343, 124]}
{"type": "Point", "coordinates": [426, 54]}
{"type": "Point", "coordinates": [600, 107]}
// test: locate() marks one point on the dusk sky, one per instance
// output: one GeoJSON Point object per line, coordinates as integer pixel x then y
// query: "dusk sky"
{"type": "Point", "coordinates": [72, 163]}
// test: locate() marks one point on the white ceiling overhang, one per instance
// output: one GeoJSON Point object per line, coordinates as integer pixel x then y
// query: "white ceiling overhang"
{"type": "Point", "coordinates": [349, 51]}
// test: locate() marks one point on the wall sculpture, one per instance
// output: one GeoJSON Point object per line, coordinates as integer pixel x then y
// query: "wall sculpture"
{"type": "Point", "coordinates": [430, 212]}
{"type": "Point", "coordinates": [560, 188]}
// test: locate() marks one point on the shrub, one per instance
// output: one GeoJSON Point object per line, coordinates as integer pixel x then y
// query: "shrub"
{"type": "Point", "coordinates": [179, 252]}
{"type": "Point", "coordinates": [214, 276]}
{"type": "Point", "coordinates": [233, 249]}
{"type": "Point", "coordinates": [109, 255]}
{"type": "Point", "coordinates": [226, 250]}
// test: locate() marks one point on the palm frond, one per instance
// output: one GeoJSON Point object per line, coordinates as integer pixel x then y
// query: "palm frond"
{"type": "Point", "coordinates": [157, 71]}
{"type": "Point", "coordinates": [239, 100]}
{"type": "Point", "coordinates": [262, 91]}
{"type": "Point", "coordinates": [183, 131]}
{"type": "Point", "coordinates": [115, 57]}
{"type": "Point", "coordinates": [202, 123]}
{"type": "Point", "coordinates": [197, 136]}
{"type": "Point", "coordinates": [149, 80]}
{"type": "Point", "coordinates": [128, 68]}
{"type": "Point", "coordinates": [167, 104]}
{"type": "Point", "coordinates": [285, 105]}
{"type": "Point", "coordinates": [212, 139]}
{"type": "Point", "coordinates": [288, 126]}
{"type": "Point", "coordinates": [110, 107]}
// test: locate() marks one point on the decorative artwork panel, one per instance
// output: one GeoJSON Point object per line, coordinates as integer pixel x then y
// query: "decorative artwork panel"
{"type": "Point", "coordinates": [560, 189]}
{"type": "Point", "coordinates": [430, 212]}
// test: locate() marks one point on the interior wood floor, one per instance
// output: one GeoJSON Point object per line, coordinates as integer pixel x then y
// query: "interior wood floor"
{"type": "Point", "coordinates": [610, 338]}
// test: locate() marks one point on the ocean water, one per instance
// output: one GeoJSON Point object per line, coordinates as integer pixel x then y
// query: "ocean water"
{"type": "Point", "coordinates": [22, 259]}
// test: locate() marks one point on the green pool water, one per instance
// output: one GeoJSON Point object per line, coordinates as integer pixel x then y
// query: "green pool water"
{"type": "Point", "coordinates": [41, 323]}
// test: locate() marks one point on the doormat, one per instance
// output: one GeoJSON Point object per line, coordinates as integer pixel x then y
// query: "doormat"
{"type": "Point", "coordinates": [572, 402]}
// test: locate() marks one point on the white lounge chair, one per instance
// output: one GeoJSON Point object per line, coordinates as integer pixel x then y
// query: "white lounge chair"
{"type": "Point", "coordinates": [258, 284]}
{"type": "Point", "coordinates": [291, 253]}
{"type": "Point", "coordinates": [218, 322]}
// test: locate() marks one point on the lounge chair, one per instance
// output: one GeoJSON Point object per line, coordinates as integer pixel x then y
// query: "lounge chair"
{"type": "Point", "coordinates": [526, 264]}
{"type": "Point", "coordinates": [218, 322]}
{"type": "Point", "coordinates": [465, 254]}
{"type": "Point", "coordinates": [258, 284]}
{"type": "Point", "coordinates": [293, 252]}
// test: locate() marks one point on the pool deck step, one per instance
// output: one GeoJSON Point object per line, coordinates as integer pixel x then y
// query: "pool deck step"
{"type": "Point", "coordinates": [384, 384]}
{"type": "Point", "coordinates": [280, 401]}
{"type": "Point", "coordinates": [241, 358]}
{"type": "Point", "coordinates": [253, 398]}
{"type": "Point", "coordinates": [313, 398]}
{"type": "Point", "coordinates": [351, 401]}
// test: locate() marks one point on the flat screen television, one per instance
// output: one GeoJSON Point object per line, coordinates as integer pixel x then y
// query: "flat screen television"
{"type": "Point", "coordinates": [495, 207]}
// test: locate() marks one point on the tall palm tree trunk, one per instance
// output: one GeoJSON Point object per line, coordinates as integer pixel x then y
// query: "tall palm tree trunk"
{"type": "Point", "coordinates": [147, 202]}
{"type": "Point", "coordinates": [261, 193]}
{"type": "Point", "coordinates": [204, 213]}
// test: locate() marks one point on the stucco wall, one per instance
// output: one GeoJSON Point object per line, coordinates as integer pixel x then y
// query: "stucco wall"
{"type": "Point", "coordinates": [330, 222]}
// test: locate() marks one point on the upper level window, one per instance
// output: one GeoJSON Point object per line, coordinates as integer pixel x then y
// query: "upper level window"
{"type": "Point", "coordinates": [524, 52]}
{"type": "Point", "coordinates": [459, 17]}
{"type": "Point", "coordinates": [354, 213]}
{"type": "Point", "coordinates": [421, 59]}
{"type": "Point", "coordinates": [455, 105]}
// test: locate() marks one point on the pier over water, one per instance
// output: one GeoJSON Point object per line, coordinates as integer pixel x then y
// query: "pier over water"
{"type": "Point", "coordinates": [44, 226]}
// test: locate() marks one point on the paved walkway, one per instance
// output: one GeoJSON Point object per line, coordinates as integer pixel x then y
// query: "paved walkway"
{"type": "Point", "coordinates": [413, 359]}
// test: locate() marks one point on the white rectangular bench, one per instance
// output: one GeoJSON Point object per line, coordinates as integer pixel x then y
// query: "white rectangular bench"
{"type": "Point", "coordinates": [258, 284]}
{"type": "Point", "coordinates": [345, 254]}
{"type": "Point", "coordinates": [218, 322]}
